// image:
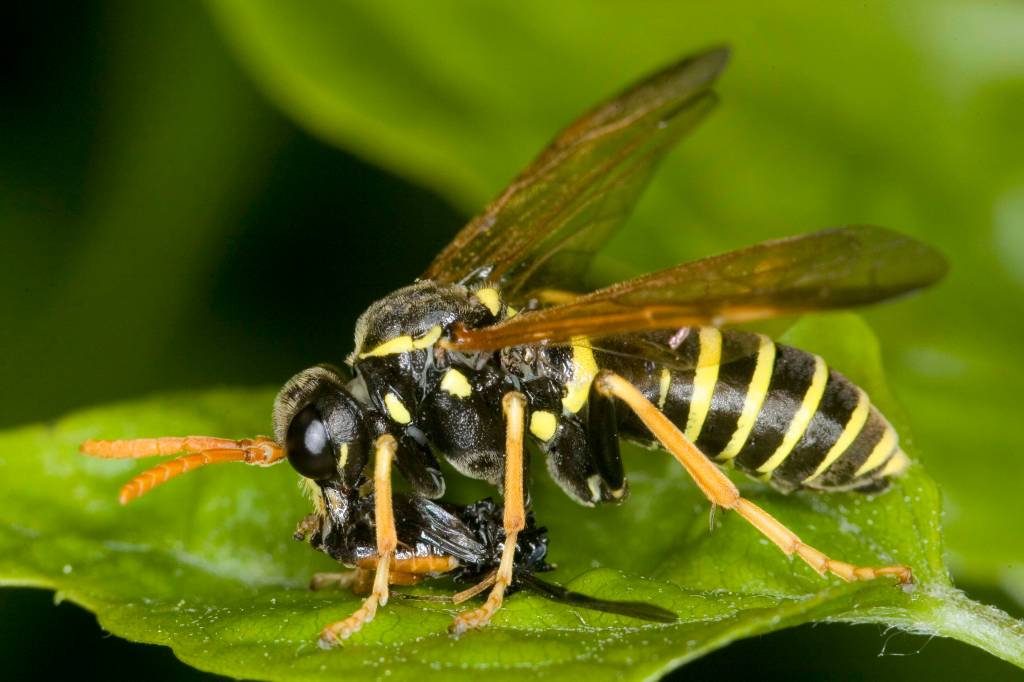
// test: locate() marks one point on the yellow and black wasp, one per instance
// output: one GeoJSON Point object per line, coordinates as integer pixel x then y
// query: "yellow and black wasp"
{"type": "Point", "coordinates": [499, 344]}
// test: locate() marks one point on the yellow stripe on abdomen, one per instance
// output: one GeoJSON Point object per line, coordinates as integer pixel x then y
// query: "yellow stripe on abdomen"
{"type": "Point", "coordinates": [801, 420]}
{"type": "Point", "coordinates": [881, 452]}
{"type": "Point", "coordinates": [756, 392]}
{"type": "Point", "coordinates": [704, 379]}
{"type": "Point", "coordinates": [853, 427]}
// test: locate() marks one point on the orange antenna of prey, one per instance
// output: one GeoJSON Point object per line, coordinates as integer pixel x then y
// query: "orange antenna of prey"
{"type": "Point", "coordinates": [202, 450]}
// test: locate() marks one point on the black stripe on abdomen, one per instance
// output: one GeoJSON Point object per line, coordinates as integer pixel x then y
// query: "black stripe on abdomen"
{"type": "Point", "coordinates": [739, 360]}
{"type": "Point", "coordinates": [792, 374]}
{"type": "Point", "coordinates": [836, 407]}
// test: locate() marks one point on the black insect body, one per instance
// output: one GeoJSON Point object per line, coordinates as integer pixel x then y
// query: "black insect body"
{"type": "Point", "coordinates": [498, 344]}
{"type": "Point", "coordinates": [464, 543]}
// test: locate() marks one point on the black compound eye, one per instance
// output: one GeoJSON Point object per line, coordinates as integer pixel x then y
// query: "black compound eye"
{"type": "Point", "coordinates": [309, 447]}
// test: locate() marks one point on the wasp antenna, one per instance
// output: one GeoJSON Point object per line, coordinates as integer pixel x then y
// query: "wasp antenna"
{"type": "Point", "coordinates": [202, 450]}
{"type": "Point", "coordinates": [154, 447]}
{"type": "Point", "coordinates": [161, 473]}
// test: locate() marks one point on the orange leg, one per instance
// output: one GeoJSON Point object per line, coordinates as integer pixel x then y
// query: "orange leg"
{"type": "Point", "coordinates": [514, 406]}
{"type": "Point", "coordinates": [387, 541]}
{"type": "Point", "coordinates": [358, 580]}
{"type": "Point", "coordinates": [203, 450]}
{"type": "Point", "coordinates": [717, 487]}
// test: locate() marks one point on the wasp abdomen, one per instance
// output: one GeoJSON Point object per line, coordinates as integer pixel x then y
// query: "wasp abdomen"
{"type": "Point", "coordinates": [773, 411]}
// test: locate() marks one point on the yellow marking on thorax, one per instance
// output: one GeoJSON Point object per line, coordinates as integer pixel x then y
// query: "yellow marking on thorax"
{"type": "Point", "coordinates": [456, 383]}
{"type": "Point", "coordinates": [704, 380]}
{"type": "Point", "coordinates": [854, 424]}
{"type": "Point", "coordinates": [897, 464]}
{"type": "Point", "coordinates": [881, 452]}
{"type": "Point", "coordinates": [543, 424]}
{"type": "Point", "coordinates": [396, 409]}
{"type": "Point", "coordinates": [584, 369]}
{"type": "Point", "coordinates": [754, 400]}
{"type": "Point", "coordinates": [404, 344]}
{"type": "Point", "coordinates": [801, 420]}
{"type": "Point", "coordinates": [664, 383]}
{"type": "Point", "coordinates": [490, 298]}
{"type": "Point", "coordinates": [343, 456]}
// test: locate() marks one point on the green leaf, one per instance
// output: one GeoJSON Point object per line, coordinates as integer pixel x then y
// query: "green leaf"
{"type": "Point", "coordinates": [904, 115]}
{"type": "Point", "coordinates": [207, 565]}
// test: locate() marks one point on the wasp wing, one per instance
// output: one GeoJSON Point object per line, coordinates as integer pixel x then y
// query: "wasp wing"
{"type": "Point", "coordinates": [548, 223]}
{"type": "Point", "coordinates": [837, 268]}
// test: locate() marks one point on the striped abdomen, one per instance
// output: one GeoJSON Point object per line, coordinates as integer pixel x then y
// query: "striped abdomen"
{"type": "Point", "coordinates": [775, 412]}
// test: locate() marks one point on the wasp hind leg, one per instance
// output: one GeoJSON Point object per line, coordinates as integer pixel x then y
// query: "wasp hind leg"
{"type": "Point", "coordinates": [387, 541]}
{"type": "Point", "coordinates": [514, 407]}
{"type": "Point", "coordinates": [717, 487]}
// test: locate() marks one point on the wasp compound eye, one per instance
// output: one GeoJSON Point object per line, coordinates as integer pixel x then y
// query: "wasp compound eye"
{"type": "Point", "coordinates": [309, 447]}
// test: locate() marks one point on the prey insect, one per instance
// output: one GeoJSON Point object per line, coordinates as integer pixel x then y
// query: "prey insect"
{"type": "Point", "coordinates": [434, 540]}
{"type": "Point", "coordinates": [500, 344]}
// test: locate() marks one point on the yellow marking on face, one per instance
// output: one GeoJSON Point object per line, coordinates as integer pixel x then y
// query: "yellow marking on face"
{"type": "Point", "coordinates": [754, 400]}
{"type": "Point", "coordinates": [594, 483]}
{"type": "Point", "coordinates": [343, 456]}
{"type": "Point", "coordinates": [704, 380]}
{"type": "Point", "coordinates": [543, 425]}
{"type": "Point", "coordinates": [456, 383]}
{"type": "Point", "coordinates": [584, 369]}
{"type": "Point", "coordinates": [898, 463]}
{"type": "Point", "coordinates": [617, 494]}
{"type": "Point", "coordinates": [490, 298]}
{"type": "Point", "coordinates": [313, 492]}
{"type": "Point", "coordinates": [854, 424]}
{"type": "Point", "coordinates": [404, 344]}
{"type": "Point", "coordinates": [663, 385]}
{"type": "Point", "coordinates": [801, 420]}
{"type": "Point", "coordinates": [396, 409]}
{"type": "Point", "coordinates": [880, 453]}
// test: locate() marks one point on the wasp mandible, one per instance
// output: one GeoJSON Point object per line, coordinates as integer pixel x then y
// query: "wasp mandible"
{"type": "Point", "coordinates": [500, 344]}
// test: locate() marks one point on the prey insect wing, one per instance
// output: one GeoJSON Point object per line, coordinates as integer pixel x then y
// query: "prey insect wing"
{"type": "Point", "coordinates": [549, 222]}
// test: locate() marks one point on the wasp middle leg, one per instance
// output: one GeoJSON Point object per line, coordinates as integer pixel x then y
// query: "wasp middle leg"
{"type": "Point", "coordinates": [514, 520]}
{"type": "Point", "coordinates": [717, 487]}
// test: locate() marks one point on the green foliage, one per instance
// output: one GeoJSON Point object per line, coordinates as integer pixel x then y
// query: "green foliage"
{"type": "Point", "coordinates": [207, 564]}
{"type": "Point", "coordinates": [904, 115]}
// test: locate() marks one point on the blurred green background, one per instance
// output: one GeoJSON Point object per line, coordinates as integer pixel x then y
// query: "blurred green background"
{"type": "Point", "coordinates": [203, 195]}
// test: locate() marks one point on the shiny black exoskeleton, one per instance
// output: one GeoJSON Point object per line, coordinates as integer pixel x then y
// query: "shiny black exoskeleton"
{"type": "Point", "coordinates": [471, 535]}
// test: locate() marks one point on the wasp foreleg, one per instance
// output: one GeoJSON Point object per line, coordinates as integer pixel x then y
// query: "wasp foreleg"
{"type": "Point", "coordinates": [387, 541]}
{"type": "Point", "coordinates": [514, 406]}
{"type": "Point", "coordinates": [717, 487]}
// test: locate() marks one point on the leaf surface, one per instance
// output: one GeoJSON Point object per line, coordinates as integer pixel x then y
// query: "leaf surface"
{"type": "Point", "coordinates": [207, 565]}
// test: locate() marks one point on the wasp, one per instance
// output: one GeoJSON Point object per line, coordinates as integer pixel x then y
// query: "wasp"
{"type": "Point", "coordinates": [500, 344]}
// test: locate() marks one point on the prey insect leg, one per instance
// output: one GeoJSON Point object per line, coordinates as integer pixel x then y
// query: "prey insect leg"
{"type": "Point", "coordinates": [717, 487]}
{"type": "Point", "coordinates": [358, 580]}
{"type": "Point", "coordinates": [514, 406]}
{"type": "Point", "coordinates": [387, 541]}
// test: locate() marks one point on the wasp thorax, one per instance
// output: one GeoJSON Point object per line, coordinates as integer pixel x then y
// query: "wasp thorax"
{"type": "Point", "coordinates": [414, 318]}
{"type": "Point", "coordinates": [322, 426]}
